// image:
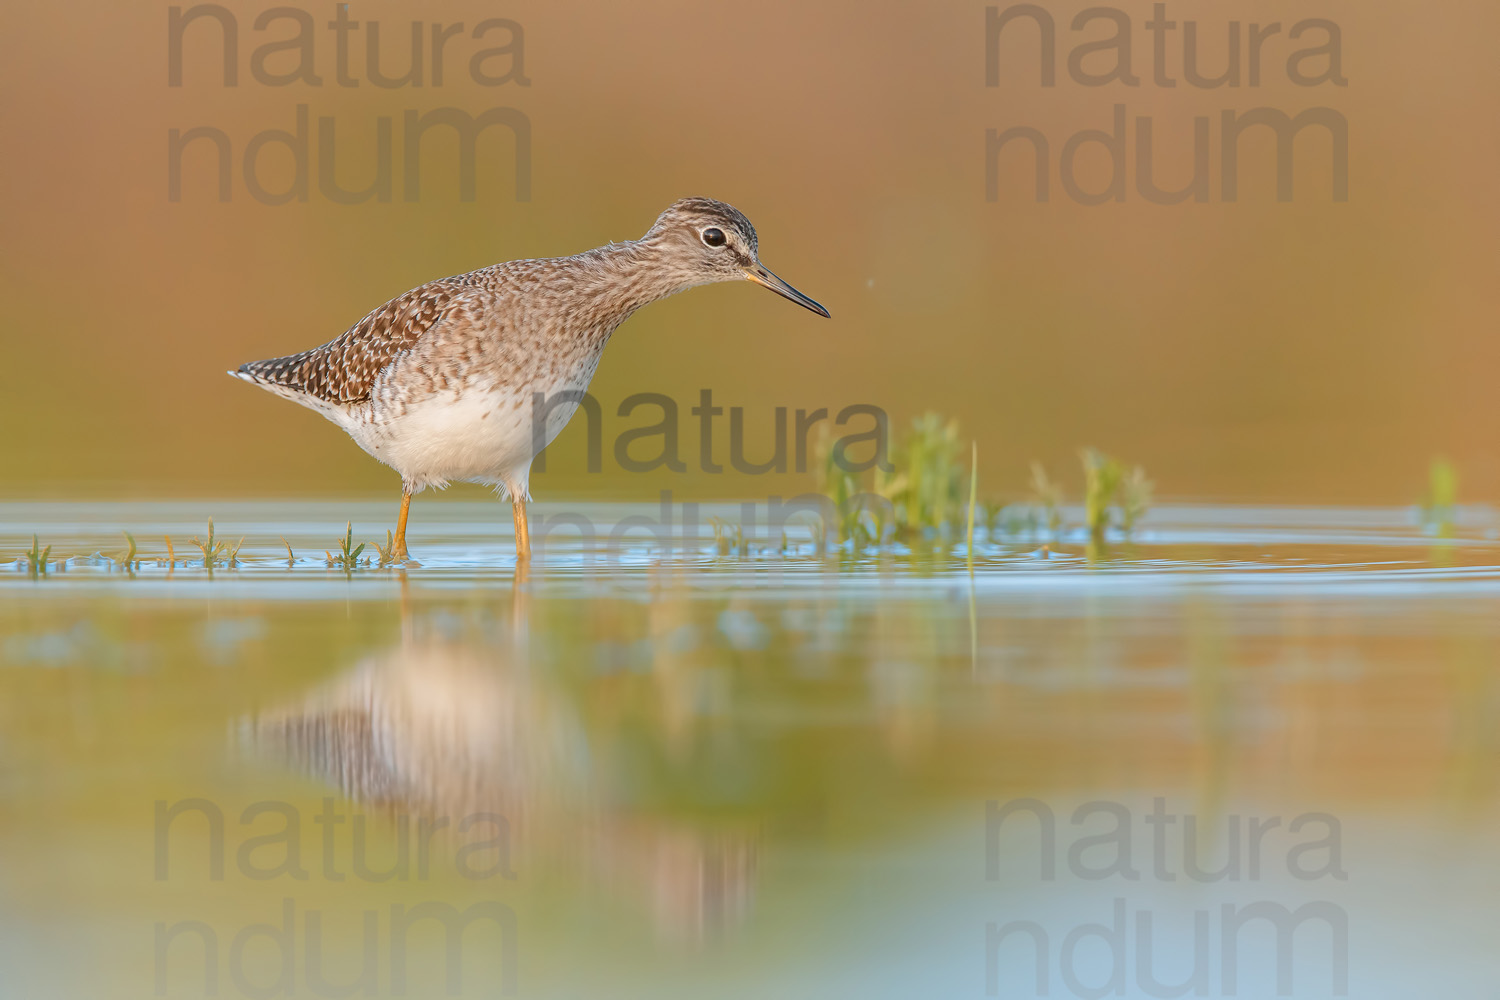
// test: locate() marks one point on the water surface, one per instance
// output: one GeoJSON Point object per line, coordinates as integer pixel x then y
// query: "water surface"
{"type": "Point", "coordinates": [783, 774]}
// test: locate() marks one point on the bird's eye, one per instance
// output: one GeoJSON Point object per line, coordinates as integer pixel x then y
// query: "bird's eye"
{"type": "Point", "coordinates": [713, 236]}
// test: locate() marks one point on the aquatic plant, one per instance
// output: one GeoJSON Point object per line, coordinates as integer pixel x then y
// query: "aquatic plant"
{"type": "Point", "coordinates": [721, 541]}
{"type": "Point", "coordinates": [387, 552]}
{"type": "Point", "coordinates": [215, 552]}
{"type": "Point", "coordinates": [171, 555]}
{"type": "Point", "coordinates": [925, 483]}
{"type": "Point", "coordinates": [291, 558]}
{"type": "Point", "coordinates": [1101, 486]}
{"type": "Point", "coordinates": [1112, 496]}
{"type": "Point", "coordinates": [990, 513]}
{"type": "Point", "coordinates": [921, 489]}
{"type": "Point", "coordinates": [1136, 492]}
{"type": "Point", "coordinates": [729, 538]}
{"type": "Point", "coordinates": [1438, 507]}
{"type": "Point", "coordinates": [1012, 520]}
{"type": "Point", "coordinates": [819, 536]}
{"type": "Point", "coordinates": [347, 557]}
{"type": "Point", "coordinates": [838, 484]}
{"type": "Point", "coordinates": [973, 502]}
{"type": "Point", "coordinates": [1047, 494]}
{"type": "Point", "coordinates": [127, 559]}
{"type": "Point", "coordinates": [969, 557]}
{"type": "Point", "coordinates": [36, 557]}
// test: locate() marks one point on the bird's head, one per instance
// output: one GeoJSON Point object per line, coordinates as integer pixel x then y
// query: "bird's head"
{"type": "Point", "coordinates": [706, 240]}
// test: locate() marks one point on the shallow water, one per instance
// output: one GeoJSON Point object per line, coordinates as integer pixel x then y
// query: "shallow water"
{"type": "Point", "coordinates": [784, 774]}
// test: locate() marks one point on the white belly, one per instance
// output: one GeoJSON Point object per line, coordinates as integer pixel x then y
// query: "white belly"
{"type": "Point", "coordinates": [475, 436]}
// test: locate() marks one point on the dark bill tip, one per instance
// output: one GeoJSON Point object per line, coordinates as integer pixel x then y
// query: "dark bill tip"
{"type": "Point", "coordinates": [761, 275]}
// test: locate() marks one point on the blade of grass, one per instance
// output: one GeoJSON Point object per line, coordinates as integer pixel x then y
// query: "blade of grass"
{"type": "Point", "coordinates": [973, 498]}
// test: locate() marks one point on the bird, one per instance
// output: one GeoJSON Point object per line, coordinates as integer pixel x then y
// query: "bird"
{"type": "Point", "coordinates": [468, 378]}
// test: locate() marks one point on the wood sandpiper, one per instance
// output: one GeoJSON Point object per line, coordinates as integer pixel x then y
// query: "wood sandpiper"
{"type": "Point", "coordinates": [442, 383]}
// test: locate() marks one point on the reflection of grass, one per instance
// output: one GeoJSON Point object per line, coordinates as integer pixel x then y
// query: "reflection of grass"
{"type": "Point", "coordinates": [347, 557]}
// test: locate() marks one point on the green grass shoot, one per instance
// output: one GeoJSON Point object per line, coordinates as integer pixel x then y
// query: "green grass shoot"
{"type": "Point", "coordinates": [729, 538]}
{"type": "Point", "coordinates": [1135, 498]}
{"type": "Point", "coordinates": [973, 498]}
{"type": "Point", "coordinates": [127, 559]}
{"type": "Point", "coordinates": [923, 486]}
{"type": "Point", "coordinates": [214, 551]}
{"type": "Point", "coordinates": [1047, 494]}
{"type": "Point", "coordinates": [1113, 497]}
{"type": "Point", "coordinates": [1101, 486]}
{"type": "Point", "coordinates": [36, 557]}
{"type": "Point", "coordinates": [1439, 506]}
{"type": "Point", "coordinates": [838, 484]}
{"type": "Point", "coordinates": [347, 557]}
{"type": "Point", "coordinates": [387, 552]}
{"type": "Point", "coordinates": [923, 490]}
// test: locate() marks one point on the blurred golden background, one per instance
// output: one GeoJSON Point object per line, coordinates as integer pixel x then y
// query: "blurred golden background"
{"type": "Point", "coordinates": [1310, 350]}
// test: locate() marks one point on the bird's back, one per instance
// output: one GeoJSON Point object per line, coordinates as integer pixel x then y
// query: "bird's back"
{"type": "Point", "coordinates": [344, 370]}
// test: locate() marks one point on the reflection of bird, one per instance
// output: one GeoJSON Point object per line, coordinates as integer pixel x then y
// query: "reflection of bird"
{"type": "Point", "coordinates": [443, 383]}
{"type": "Point", "coordinates": [434, 729]}
{"type": "Point", "coordinates": [436, 732]}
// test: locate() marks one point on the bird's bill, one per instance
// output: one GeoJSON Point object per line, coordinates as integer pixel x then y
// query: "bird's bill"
{"type": "Point", "coordinates": [761, 275]}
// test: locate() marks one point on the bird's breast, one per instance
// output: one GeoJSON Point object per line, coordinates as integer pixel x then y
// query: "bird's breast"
{"type": "Point", "coordinates": [482, 419]}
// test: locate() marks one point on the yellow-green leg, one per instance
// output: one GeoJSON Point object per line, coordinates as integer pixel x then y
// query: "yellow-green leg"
{"type": "Point", "coordinates": [399, 546]}
{"type": "Point", "coordinates": [523, 532]}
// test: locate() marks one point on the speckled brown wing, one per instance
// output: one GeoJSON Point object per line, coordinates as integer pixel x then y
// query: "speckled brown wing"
{"type": "Point", "coordinates": [344, 369]}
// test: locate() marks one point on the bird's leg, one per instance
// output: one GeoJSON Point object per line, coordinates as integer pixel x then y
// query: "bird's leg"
{"type": "Point", "coordinates": [398, 547]}
{"type": "Point", "coordinates": [523, 533]}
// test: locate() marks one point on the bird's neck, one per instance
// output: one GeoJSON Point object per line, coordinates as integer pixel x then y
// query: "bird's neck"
{"type": "Point", "coordinates": [610, 283]}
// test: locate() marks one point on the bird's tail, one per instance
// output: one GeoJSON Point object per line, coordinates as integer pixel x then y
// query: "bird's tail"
{"type": "Point", "coordinates": [286, 377]}
{"type": "Point", "coordinates": [288, 372]}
